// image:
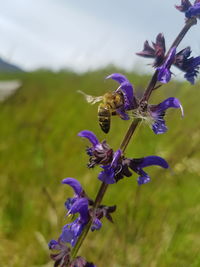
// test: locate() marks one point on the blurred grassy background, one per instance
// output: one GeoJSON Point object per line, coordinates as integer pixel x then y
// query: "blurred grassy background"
{"type": "Point", "coordinates": [155, 225]}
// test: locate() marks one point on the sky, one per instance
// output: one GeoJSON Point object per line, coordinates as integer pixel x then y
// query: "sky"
{"type": "Point", "coordinates": [87, 34]}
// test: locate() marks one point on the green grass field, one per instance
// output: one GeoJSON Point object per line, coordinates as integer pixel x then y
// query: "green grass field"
{"type": "Point", "coordinates": [157, 224]}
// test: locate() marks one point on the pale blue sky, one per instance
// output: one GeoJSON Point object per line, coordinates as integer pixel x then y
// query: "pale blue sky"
{"type": "Point", "coordinates": [86, 34]}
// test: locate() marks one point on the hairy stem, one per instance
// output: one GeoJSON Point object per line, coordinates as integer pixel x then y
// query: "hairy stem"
{"type": "Point", "coordinates": [189, 23]}
{"type": "Point", "coordinates": [129, 134]}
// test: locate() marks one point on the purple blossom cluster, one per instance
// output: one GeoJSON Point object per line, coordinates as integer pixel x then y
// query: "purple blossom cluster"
{"type": "Point", "coordinates": [162, 63]}
{"type": "Point", "coordinates": [86, 213]}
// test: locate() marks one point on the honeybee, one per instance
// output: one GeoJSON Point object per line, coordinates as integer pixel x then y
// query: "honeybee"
{"type": "Point", "coordinates": [110, 103]}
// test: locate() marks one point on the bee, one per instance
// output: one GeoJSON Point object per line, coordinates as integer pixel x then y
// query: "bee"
{"type": "Point", "coordinates": [111, 101]}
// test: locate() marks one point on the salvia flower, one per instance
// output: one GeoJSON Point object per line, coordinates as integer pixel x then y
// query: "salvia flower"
{"type": "Point", "coordinates": [62, 256]}
{"type": "Point", "coordinates": [78, 204]}
{"type": "Point", "coordinates": [99, 153]}
{"type": "Point", "coordinates": [81, 262]}
{"type": "Point", "coordinates": [181, 60]}
{"type": "Point", "coordinates": [119, 166]}
{"type": "Point", "coordinates": [124, 166]}
{"type": "Point", "coordinates": [189, 65]}
{"type": "Point", "coordinates": [189, 9]}
{"type": "Point", "coordinates": [155, 114]}
{"type": "Point", "coordinates": [82, 205]}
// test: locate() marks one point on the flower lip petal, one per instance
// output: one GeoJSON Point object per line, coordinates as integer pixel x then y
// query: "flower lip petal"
{"type": "Point", "coordinates": [90, 136]}
{"type": "Point", "coordinates": [80, 206]}
{"type": "Point", "coordinates": [107, 175]}
{"type": "Point", "coordinates": [127, 90]}
{"type": "Point", "coordinates": [120, 78]}
{"type": "Point", "coordinates": [143, 179]}
{"type": "Point", "coordinates": [170, 102]}
{"type": "Point", "coordinates": [123, 115]}
{"type": "Point", "coordinates": [53, 244]}
{"type": "Point", "coordinates": [164, 75]}
{"type": "Point", "coordinates": [153, 160]}
{"type": "Point", "coordinates": [74, 184]}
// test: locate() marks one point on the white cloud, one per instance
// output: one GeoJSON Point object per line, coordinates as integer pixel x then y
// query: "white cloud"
{"type": "Point", "coordinates": [82, 34]}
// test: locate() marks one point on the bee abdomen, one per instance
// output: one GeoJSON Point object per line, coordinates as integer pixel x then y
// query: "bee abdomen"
{"type": "Point", "coordinates": [104, 117]}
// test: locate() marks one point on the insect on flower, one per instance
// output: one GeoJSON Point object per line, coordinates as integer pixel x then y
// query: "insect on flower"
{"type": "Point", "coordinates": [114, 103]}
{"type": "Point", "coordinates": [111, 101]}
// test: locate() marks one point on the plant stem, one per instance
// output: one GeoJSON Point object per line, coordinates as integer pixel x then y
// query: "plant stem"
{"type": "Point", "coordinates": [129, 134]}
{"type": "Point", "coordinates": [189, 23]}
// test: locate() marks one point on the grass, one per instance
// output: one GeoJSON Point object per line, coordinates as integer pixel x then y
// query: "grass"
{"type": "Point", "coordinates": [155, 224]}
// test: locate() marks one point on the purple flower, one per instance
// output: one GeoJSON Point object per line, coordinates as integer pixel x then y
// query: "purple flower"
{"type": "Point", "coordinates": [164, 73]}
{"type": "Point", "coordinates": [99, 213]}
{"type": "Point", "coordinates": [78, 204]}
{"type": "Point", "coordinates": [161, 63]}
{"type": "Point", "coordinates": [121, 167]}
{"type": "Point", "coordinates": [137, 166]}
{"type": "Point", "coordinates": [118, 166]}
{"type": "Point", "coordinates": [81, 262]}
{"type": "Point", "coordinates": [61, 258]}
{"type": "Point", "coordinates": [189, 9]}
{"type": "Point", "coordinates": [108, 174]}
{"type": "Point", "coordinates": [189, 65]}
{"type": "Point", "coordinates": [181, 60]}
{"type": "Point", "coordinates": [157, 113]}
{"type": "Point", "coordinates": [78, 192]}
{"type": "Point", "coordinates": [125, 165]}
{"type": "Point", "coordinates": [126, 89]}
{"type": "Point", "coordinates": [81, 204]}
{"type": "Point", "coordinates": [99, 153]}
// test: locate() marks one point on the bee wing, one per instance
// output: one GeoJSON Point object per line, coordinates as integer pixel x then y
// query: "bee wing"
{"type": "Point", "coordinates": [91, 99]}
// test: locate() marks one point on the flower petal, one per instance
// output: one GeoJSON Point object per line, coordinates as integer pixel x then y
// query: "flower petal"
{"type": "Point", "coordinates": [147, 51]}
{"type": "Point", "coordinates": [53, 244]}
{"type": "Point", "coordinates": [74, 184]}
{"type": "Point", "coordinates": [118, 77]}
{"type": "Point", "coordinates": [193, 11]}
{"type": "Point", "coordinates": [123, 115]}
{"type": "Point", "coordinates": [189, 65]}
{"type": "Point", "coordinates": [107, 175]}
{"type": "Point", "coordinates": [80, 206]}
{"type": "Point", "coordinates": [96, 224]}
{"type": "Point", "coordinates": [170, 102]}
{"type": "Point", "coordinates": [153, 160]}
{"type": "Point", "coordinates": [185, 4]}
{"type": "Point", "coordinates": [164, 73]}
{"type": "Point", "coordinates": [159, 126]}
{"type": "Point", "coordinates": [116, 157]}
{"type": "Point", "coordinates": [143, 179]}
{"type": "Point", "coordinates": [90, 136]}
{"type": "Point", "coordinates": [126, 88]}
{"type": "Point", "coordinates": [157, 113]}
